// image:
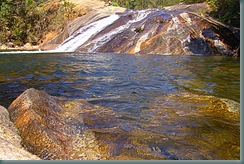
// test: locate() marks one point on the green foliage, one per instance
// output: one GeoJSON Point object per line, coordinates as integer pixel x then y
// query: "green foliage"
{"type": "Point", "coordinates": [114, 4]}
{"type": "Point", "coordinates": [227, 11]}
{"type": "Point", "coordinates": [23, 21]}
{"type": "Point", "coordinates": [143, 4]}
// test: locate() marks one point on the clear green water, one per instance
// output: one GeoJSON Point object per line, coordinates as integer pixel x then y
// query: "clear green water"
{"type": "Point", "coordinates": [152, 118]}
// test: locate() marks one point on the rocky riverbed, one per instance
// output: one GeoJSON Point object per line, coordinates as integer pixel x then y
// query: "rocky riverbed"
{"type": "Point", "coordinates": [61, 129]}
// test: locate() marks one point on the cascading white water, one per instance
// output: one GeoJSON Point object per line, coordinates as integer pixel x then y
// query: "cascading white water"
{"type": "Point", "coordinates": [81, 37]}
{"type": "Point", "coordinates": [140, 15]}
{"type": "Point", "coordinates": [154, 31]}
{"type": "Point", "coordinates": [85, 33]}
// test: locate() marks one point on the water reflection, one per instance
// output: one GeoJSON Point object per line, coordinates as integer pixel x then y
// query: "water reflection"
{"type": "Point", "coordinates": [148, 120]}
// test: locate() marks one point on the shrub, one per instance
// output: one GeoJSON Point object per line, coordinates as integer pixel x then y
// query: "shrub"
{"type": "Point", "coordinates": [25, 21]}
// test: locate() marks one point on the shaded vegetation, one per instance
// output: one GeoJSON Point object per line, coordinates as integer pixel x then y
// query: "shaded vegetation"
{"type": "Point", "coordinates": [226, 11]}
{"type": "Point", "coordinates": [25, 21]}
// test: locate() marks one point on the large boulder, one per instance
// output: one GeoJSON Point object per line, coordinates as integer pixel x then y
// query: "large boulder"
{"type": "Point", "coordinates": [179, 29]}
{"type": "Point", "coordinates": [53, 128]}
{"type": "Point", "coordinates": [10, 141]}
{"type": "Point", "coordinates": [180, 125]}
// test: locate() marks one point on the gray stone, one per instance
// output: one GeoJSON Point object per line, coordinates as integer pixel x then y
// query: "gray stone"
{"type": "Point", "coordinates": [10, 141]}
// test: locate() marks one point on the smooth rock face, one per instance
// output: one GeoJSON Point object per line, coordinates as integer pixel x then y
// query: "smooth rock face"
{"type": "Point", "coordinates": [91, 5]}
{"type": "Point", "coordinates": [188, 126]}
{"type": "Point", "coordinates": [181, 29]}
{"type": "Point", "coordinates": [79, 22]}
{"type": "Point", "coordinates": [51, 127]}
{"type": "Point", "coordinates": [10, 147]}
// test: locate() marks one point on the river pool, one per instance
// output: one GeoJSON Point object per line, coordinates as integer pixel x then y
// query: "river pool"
{"type": "Point", "coordinates": [141, 91]}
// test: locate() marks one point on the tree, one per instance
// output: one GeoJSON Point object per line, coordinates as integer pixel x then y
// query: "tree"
{"type": "Point", "coordinates": [227, 11]}
{"type": "Point", "coordinates": [23, 21]}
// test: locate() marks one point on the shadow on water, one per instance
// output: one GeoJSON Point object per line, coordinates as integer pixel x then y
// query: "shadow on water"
{"type": "Point", "coordinates": [162, 107]}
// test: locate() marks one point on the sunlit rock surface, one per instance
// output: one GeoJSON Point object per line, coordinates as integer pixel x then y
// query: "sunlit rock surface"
{"type": "Point", "coordinates": [10, 147]}
{"type": "Point", "coordinates": [76, 24]}
{"type": "Point", "coordinates": [180, 29]}
{"type": "Point", "coordinates": [176, 126]}
{"type": "Point", "coordinates": [51, 128]}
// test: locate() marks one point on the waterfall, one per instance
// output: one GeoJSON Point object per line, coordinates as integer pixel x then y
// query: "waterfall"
{"type": "Point", "coordinates": [151, 31]}
{"type": "Point", "coordinates": [140, 15]}
{"type": "Point", "coordinates": [85, 33]}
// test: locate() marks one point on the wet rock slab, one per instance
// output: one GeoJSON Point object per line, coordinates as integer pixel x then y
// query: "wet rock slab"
{"type": "Point", "coordinates": [50, 129]}
{"type": "Point", "coordinates": [177, 126]}
{"type": "Point", "coordinates": [175, 30]}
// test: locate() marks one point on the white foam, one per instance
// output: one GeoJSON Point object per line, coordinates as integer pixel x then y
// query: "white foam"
{"type": "Point", "coordinates": [108, 36]}
{"type": "Point", "coordinates": [85, 33]}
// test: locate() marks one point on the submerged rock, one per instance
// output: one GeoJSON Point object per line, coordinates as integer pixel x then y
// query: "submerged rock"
{"type": "Point", "coordinates": [177, 126]}
{"type": "Point", "coordinates": [181, 29]}
{"type": "Point", "coordinates": [10, 147]}
{"type": "Point", "coordinates": [198, 125]}
{"type": "Point", "coordinates": [50, 127]}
